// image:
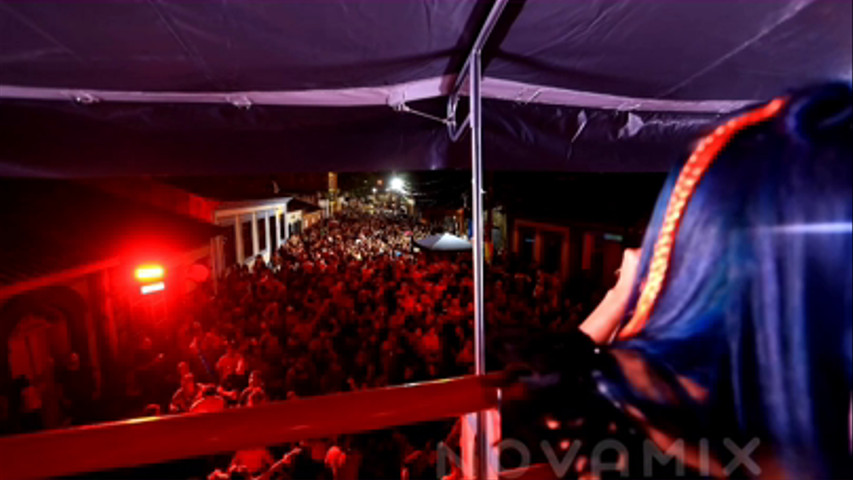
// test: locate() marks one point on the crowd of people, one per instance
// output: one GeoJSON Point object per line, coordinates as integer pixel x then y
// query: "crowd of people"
{"type": "Point", "coordinates": [693, 344]}
{"type": "Point", "coordinates": [348, 304]}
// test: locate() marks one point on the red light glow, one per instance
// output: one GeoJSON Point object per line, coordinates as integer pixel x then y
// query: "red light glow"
{"type": "Point", "coordinates": [151, 288]}
{"type": "Point", "coordinates": [147, 273]}
{"type": "Point", "coordinates": [552, 424]}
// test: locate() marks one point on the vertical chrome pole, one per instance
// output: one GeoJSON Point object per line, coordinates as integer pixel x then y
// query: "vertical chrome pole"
{"type": "Point", "coordinates": [477, 212]}
{"type": "Point", "coordinates": [481, 446]}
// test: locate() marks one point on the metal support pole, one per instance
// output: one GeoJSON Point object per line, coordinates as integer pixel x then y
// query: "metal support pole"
{"type": "Point", "coordinates": [477, 213]}
{"type": "Point", "coordinates": [455, 130]}
{"type": "Point", "coordinates": [472, 70]}
{"type": "Point", "coordinates": [482, 447]}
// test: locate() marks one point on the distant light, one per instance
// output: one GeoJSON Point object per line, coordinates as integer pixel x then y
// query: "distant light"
{"type": "Point", "coordinates": [825, 228]}
{"type": "Point", "coordinates": [147, 273]}
{"type": "Point", "coordinates": [374, 190]}
{"type": "Point", "coordinates": [396, 184]}
{"type": "Point", "coordinates": [153, 287]}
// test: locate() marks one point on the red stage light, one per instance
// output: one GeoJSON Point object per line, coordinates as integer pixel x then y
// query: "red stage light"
{"type": "Point", "coordinates": [147, 273]}
{"type": "Point", "coordinates": [198, 273]}
{"type": "Point", "coordinates": [153, 287]}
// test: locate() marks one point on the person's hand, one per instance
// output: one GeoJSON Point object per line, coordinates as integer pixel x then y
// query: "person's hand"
{"type": "Point", "coordinates": [628, 269]}
{"type": "Point", "coordinates": [604, 320]}
{"type": "Point", "coordinates": [218, 474]}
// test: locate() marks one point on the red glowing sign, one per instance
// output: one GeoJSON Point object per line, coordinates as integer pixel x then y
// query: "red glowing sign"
{"type": "Point", "coordinates": [147, 273]}
{"type": "Point", "coordinates": [152, 288]}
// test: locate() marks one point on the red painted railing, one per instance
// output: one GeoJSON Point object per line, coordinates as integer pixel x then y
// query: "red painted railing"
{"type": "Point", "coordinates": [158, 439]}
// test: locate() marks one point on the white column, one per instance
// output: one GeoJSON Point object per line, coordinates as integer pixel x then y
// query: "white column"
{"type": "Point", "coordinates": [270, 248]}
{"type": "Point", "coordinates": [286, 225]}
{"type": "Point", "coordinates": [238, 235]}
{"type": "Point", "coordinates": [256, 248]}
{"type": "Point", "coordinates": [278, 235]}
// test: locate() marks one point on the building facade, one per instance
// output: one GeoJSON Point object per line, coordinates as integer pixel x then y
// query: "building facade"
{"type": "Point", "coordinates": [256, 227]}
{"type": "Point", "coordinates": [580, 251]}
{"type": "Point", "coordinates": [70, 285]}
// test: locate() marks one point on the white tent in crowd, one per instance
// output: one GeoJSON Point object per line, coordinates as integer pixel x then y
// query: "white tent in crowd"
{"type": "Point", "coordinates": [444, 242]}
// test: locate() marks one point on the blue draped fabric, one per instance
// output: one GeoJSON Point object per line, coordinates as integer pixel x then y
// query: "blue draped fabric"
{"type": "Point", "coordinates": [751, 335]}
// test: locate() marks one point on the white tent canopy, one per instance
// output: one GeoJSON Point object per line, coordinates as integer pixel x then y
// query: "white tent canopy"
{"type": "Point", "coordinates": [444, 242]}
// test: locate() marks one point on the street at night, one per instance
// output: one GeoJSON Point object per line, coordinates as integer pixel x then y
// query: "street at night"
{"type": "Point", "coordinates": [449, 240]}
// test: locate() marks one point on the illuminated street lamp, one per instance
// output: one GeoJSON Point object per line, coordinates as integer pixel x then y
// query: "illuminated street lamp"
{"type": "Point", "coordinates": [396, 184]}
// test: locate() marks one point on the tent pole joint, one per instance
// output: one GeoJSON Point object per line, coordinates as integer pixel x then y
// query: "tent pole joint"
{"type": "Point", "coordinates": [404, 108]}
{"type": "Point", "coordinates": [456, 129]}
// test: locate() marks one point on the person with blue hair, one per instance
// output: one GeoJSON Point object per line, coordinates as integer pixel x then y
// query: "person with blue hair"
{"type": "Point", "coordinates": [733, 321]}
{"type": "Point", "coordinates": [726, 343]}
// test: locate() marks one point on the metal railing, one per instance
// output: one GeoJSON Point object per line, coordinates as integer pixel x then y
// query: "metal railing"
{"type": "Point", "coordinates": [159, 439]}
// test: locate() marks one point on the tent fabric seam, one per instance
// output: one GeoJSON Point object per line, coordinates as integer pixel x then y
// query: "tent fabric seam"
{"type": "Point", "coordinates": [392, 95]}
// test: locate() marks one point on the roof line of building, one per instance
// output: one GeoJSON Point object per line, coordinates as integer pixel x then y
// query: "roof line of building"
{"type": "Point", "coordinates": [248, 206]}
{"type": "Point", "coordinates": [56, 277]}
